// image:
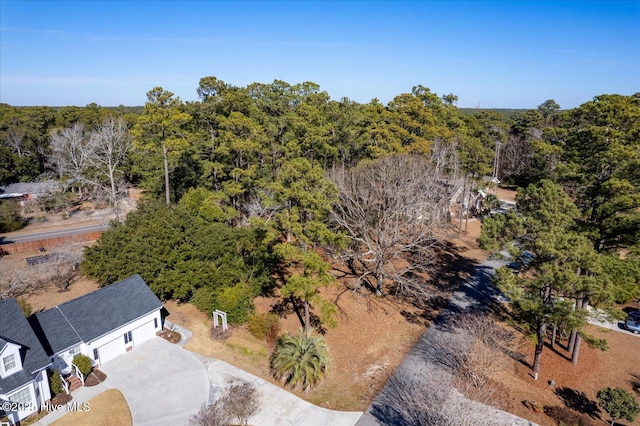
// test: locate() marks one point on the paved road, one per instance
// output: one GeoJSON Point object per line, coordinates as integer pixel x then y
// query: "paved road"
{"type": "Point", "coordinates": [20, 236]}
{"type": "Point", "coordinates": [601, 320]}
{"type": "Point", "coordinates": [421, 391]}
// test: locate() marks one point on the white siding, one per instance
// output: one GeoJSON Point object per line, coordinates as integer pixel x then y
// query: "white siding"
{"type": "Point", "coordinates": [16, 416]}
{"type": "Point", "coordinates": [10, 350]}
{"type": "Point", "coordinates": [110, 350]}
{"type": "Point", "coordinates": [112, 344]}
{"type": "Point", "coordinates": [144, 332]}
{"type": "Point", "coordinates": [42, 383]}
{"type": "Point", "coordinates": [62, 360]}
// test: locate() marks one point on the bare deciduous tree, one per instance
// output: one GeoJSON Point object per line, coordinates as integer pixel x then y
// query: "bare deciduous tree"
{"type": "Point", "coordinates": [210, 415]}
{"type": "Point", "coordinates": [70, 152]}
{"type": "Point", "coordinates": [263, 207]}
{"type": "Point", "coordinates": [15, 139]}
{"type": "Point", "coordinates": [110, 144]}
{"type": "Point", "coordinates": [454, 392]}
{"type": "Point", "coordinates": [62, 269]}
{"type": "Point", "coordinates": [415, 400]}
{"type": "Point", "coordinates": [241, 401]}
{"type": "Point", "coordinates": [473, 350]}
{"type": "Point", "coordinates": [92, 159]}
{"type": "Point", "coordinates": [15, 282]}
{"type": "Point", "coordinates": [392, 209]}
{"type": "Point", "coordinates": [444, 156]}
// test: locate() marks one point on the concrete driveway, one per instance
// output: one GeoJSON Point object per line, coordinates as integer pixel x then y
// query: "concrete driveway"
{"type": "Point", "coordinates": [277, 406]}
{"type": "Point", "coordinates": [162, 383]}
{"type": "Point", "coordinates": [165, 384]}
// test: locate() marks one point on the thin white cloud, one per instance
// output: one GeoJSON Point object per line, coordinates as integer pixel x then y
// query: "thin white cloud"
{"type": "Point", "coordinates": [179, 40]}
{"type": "Point", "coordinates": [70, 80]}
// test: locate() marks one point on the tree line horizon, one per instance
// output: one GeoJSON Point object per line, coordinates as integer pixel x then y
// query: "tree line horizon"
{"type": "Point", "coordinates": [261, 189]}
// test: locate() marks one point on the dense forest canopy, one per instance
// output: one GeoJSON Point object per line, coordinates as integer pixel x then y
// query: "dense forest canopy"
{"type": "Point", "coordinates": [266, 172]}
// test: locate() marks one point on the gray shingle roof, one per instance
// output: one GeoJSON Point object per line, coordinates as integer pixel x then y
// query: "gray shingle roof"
{"type": "Point", "coordinates": [53, 330]}
{"type": "Point", "coordinates": [98, 313]}
{"type": "Point", "coordinates": [15, 328]}
{"type": "Point", "coordinates": [31, 187]}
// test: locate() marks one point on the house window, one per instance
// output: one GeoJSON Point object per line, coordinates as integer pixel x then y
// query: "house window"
{"type": "Point", "coordinates": [127, 337]}
{"type": "Point", "coordinates": [22, 397]}
{"type": "Point", "coordinates": [95, 354]}
{"type": "Point", "coordinates": [9, 362]}
{"type": "Point", "coordinates": [155, 323]}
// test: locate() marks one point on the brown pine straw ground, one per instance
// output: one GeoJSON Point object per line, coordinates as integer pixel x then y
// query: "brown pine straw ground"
{"type": "Point", "coordinates": [375, 333]}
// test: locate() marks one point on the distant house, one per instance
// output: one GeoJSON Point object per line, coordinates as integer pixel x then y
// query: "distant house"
{"type": "Point", "coordinates": [101, 325]}
{"type": "Point", "coordinates": [28, 190]}
{"type": "Point", "coordinates": [23, 364]}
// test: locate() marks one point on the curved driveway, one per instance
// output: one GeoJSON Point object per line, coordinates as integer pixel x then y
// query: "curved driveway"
{"type": "Point", "coordinates": [162, 383]}
{"type": "Point", "coordinates": [277, 406]}
{"type": "Point", "coordinates": [165, 384]}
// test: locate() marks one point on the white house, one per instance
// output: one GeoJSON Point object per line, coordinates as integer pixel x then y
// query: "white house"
{"type": "Point", "coordinates": [101, 325]}
{"type": "Point", "coordinates": [23, 365]}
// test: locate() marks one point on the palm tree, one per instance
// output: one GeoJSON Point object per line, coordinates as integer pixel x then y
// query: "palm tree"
{"type": "Point", "coordinates": [300, 360]}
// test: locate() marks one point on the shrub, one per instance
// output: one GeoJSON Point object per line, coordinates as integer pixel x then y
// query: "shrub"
{"type": "Point", "coordinates": [236, 301]}
{"type": "Point", "coordinates": [55, 380]}
{"type": "Point", "coordinates": [618, 403]}
{"type": "Point", "coordinates": [594, 342]}
{"type": "Point", "coordinates": [10, 218]}
{"type": "Point", "coordinates": [300, 360]}
{"type": "Point", "coordinates": [84, 363]}
{"type": "Point", "coordinates": [265, 326]}
{"type": "Point", "coordinates": [566, 416]}
{"type": "Point", "coordinates": [210, 415]}
{"type": "Point", "coordinates": [241, 401]}
{"type": "Point", "coordinates": [204, 299]}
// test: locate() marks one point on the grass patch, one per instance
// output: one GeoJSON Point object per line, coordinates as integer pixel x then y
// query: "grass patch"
{"type": "Point", "coordinates": [108, 408]}
{"type": "Point", "coordinates": [244, 351]}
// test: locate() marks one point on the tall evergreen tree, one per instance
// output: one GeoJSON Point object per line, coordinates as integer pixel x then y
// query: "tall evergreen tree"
{"type": "Point", "coordinates": [159, 128]}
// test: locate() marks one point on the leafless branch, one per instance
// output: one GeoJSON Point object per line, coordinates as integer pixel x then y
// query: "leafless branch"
{"type": "Point", "coordinates": [63, 269]}
{"type": "Point", "coordinates": [391, 210]}
{"type": "Point", "coordinates": [210, 415]}
{"type": "Point", "coordinates": [15, 283]}
{"type": "Point", "coordinates": [241, 401]}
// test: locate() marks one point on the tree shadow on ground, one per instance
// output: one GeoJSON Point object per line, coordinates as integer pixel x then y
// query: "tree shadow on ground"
{"type": "Point", "coordinates": [448, 273]}
{"type": "Point", "coordinates": [292, 305]}
{"type": "Point", "coordinates": [429, 310]}
{"type": "Point", "coordinates": [578, 401]}
{"type": "Point", "coordinates": [451, 268]}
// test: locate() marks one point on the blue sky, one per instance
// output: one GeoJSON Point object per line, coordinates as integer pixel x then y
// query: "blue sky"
{"type": "Point", "coordinates": [499, 54]}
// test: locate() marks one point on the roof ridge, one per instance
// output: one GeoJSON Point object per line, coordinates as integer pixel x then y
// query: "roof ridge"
{"type": "Point", "coordinates": [101, 289]}
{"type": "Point", "coordinates": [68, 322]}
